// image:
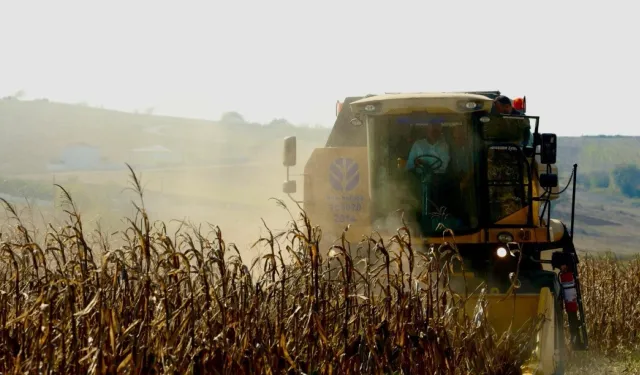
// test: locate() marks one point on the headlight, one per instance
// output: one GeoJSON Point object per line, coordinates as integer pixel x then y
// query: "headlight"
{"type": "Point", "coordinates": [501, 252]}
{"type": "Point", "coordinates": [355, 122]}
{"type": "Point", "coordinates": [505, 237]}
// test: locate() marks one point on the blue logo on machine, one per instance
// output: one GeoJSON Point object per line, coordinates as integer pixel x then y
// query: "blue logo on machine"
{"type": "Point", "coordinates": [344, 174]}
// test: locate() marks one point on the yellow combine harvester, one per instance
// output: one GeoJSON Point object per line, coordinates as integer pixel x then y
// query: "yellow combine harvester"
{"type": "Point", "coordinates": [452, 159]}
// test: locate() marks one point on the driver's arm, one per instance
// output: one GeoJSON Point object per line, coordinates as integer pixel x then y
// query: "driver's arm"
{"type": "Point", "coordinates": [445, 155]}
{"type": "Point", "coordinates": [412, 155]}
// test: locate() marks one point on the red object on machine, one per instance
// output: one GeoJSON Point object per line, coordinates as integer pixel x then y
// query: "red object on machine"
{"type": "Point", "coordinates": [338, 107]}
{"type": "Point", "coordinates": [570, 294]}
{"type": "Point", "coordinates": [519, 104]}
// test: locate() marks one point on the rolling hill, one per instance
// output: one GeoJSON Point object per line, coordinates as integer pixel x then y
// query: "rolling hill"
{"type": "Point", "coordinates": [235, 166]}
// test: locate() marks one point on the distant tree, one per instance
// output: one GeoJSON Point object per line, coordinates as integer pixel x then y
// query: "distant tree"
{"type": "Point", "coordinates": [232, 118]}
{"type": "Point", "coordinates": [584, 180]}
{"type": "Point", "coordinates": [280, 123]}
{"type": "Point", "coordinates": [600, 179]}
{"type": "Point", "coordinates": [149, 111]}
{"type": "Point", "coordinates": [627, 177]}
{"type": "Point", "coordinates": [20, 94]}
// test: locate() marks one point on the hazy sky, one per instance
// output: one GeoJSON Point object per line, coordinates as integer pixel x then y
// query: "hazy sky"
{"type": "Point", "coordinates": [294, 59]}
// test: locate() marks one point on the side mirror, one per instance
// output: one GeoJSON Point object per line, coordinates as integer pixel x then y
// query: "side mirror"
{"type": "Point", "coordinates": [289, 156]}
{"type": "Point", "coordinates": [548, 180]}
{"type": "Point", "coordinates": [289, 187]}
{"type": "Point", "coordinates": [548, 148]}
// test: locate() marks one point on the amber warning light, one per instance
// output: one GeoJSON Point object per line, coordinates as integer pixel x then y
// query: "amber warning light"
{"type": "Point", "coordinates": [520, 104]}
{"type": "Point", "coordinates": [338, 107]}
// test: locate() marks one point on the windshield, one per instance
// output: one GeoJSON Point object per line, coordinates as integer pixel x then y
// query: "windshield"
{"type": "Point", "coordinates": [423, 164]}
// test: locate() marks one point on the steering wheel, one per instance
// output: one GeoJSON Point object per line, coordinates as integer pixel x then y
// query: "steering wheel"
{"type": "Point", "coordinates": [426, 167]}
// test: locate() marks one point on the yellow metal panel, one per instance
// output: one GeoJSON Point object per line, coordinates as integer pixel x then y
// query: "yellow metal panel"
{"type": "Point", "coordinates": [544, 358]}
{"type": "Point", "coordinates": [517, 218]}
{"type": "Point", "coordinates": [547, 336]}
{"type": "Point", "coordinates": [501, 314]}
{"type": "Point", "coordinates": [336, 190]}
{"type": "Point", "coordinates": [477, 237]}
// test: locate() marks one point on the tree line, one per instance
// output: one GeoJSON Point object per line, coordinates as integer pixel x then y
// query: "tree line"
{"type": "Point", "coordinates": [625, 177]}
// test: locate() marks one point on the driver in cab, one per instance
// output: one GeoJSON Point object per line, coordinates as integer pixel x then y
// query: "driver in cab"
{"type": "Point", "coordinates": [433, 144]}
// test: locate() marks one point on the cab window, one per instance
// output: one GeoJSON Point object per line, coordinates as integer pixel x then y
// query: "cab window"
{"type": "Point", "coordinates": [424, 164]}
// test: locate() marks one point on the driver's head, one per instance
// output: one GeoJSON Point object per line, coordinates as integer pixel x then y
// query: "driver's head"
{"type": "Point", "coordinates": [434, 131]}
{"type": "Point", "coordinates": [502, 104]}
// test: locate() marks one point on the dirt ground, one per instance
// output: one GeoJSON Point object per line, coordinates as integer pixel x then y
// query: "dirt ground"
{"type": "Point", "coordinates": [589, 363]}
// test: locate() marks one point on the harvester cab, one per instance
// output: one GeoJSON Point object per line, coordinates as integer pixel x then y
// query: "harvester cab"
{"type": "Point", "coordinates": [449, 160]}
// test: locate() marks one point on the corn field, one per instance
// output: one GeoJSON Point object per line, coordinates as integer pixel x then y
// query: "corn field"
{"type": "Point", "coordinates": [610, 296]}
{"type": "Point", "coordinates": [187, 302]}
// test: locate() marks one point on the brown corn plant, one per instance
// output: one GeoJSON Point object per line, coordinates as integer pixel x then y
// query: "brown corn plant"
{"type": "Point", "coordinates": [187, 302]}
{"type": "Point", "coordinates": [614, 283]}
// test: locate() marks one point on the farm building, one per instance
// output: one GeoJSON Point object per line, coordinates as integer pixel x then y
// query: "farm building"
{"type": "Point", "coordinates": [77, 156]}
{"type": "Point", "coordinates": [154, 157]}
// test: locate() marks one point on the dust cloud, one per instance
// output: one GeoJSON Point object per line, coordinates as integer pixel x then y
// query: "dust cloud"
{"type": "Point", "coordinates": [207, 173]}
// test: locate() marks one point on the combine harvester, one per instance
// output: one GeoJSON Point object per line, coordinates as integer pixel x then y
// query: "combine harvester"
{"type": "Point", "coordinates": [493, 188]}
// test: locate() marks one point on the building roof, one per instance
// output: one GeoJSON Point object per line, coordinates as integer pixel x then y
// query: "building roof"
{"type": "Point", "coordinates": [155, 148]}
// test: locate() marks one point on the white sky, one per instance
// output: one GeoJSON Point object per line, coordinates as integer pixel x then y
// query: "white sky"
{"type": "Point", "coordinates": [294, 59]}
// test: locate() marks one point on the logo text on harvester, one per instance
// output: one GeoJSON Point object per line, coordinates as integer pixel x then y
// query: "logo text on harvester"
{"type": "Point", "coordinates": [344, 177]}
